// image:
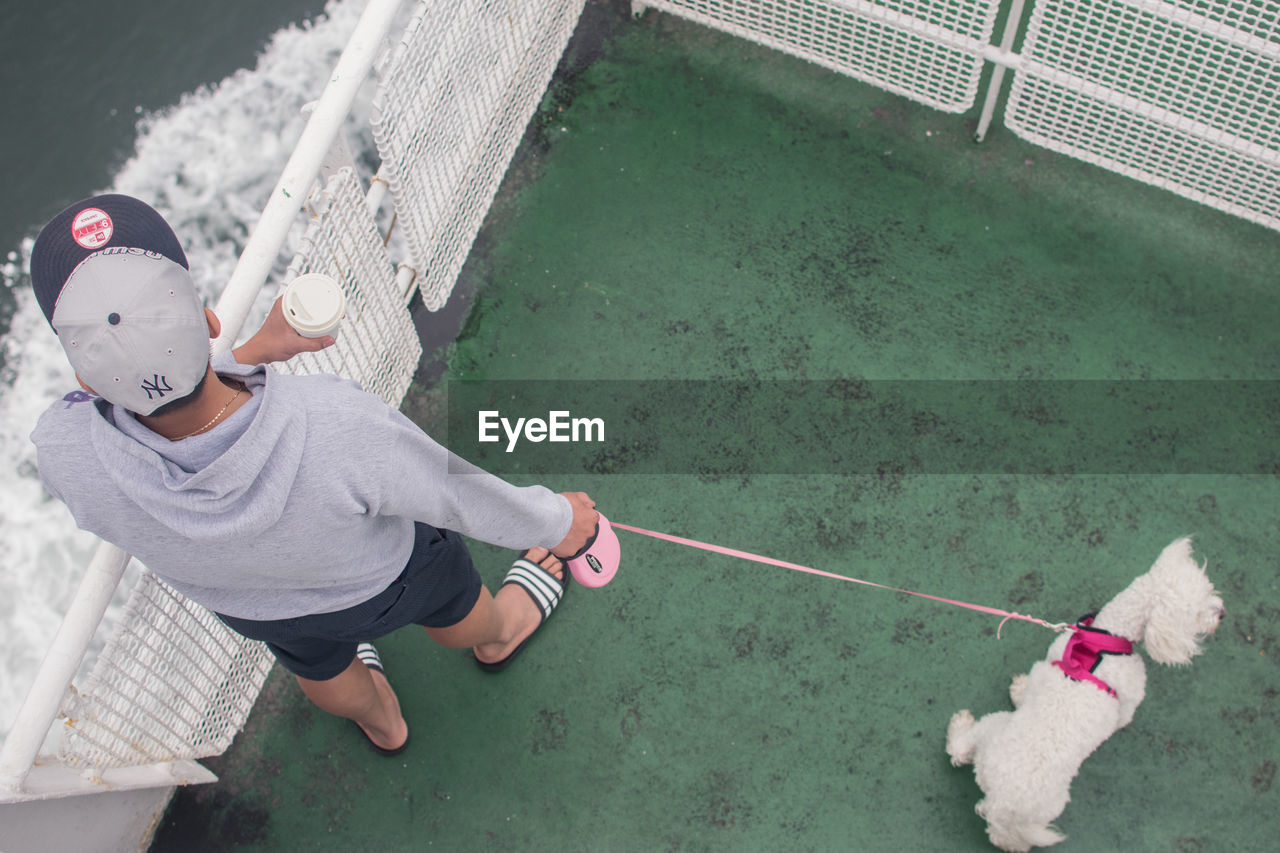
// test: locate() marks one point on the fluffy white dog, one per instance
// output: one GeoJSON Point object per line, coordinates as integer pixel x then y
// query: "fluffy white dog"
{"type": "Point", "coordinates": [1085, 689]}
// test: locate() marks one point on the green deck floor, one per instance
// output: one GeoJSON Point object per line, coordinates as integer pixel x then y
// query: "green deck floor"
{"type": "Point", "coordinates": [692, 207]}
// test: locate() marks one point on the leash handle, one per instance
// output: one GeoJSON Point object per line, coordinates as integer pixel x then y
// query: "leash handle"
{"type": "Point", "coordinates": [770, 561]}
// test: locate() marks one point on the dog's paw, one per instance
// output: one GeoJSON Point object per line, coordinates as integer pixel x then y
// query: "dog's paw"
{"type": "Point", "coordinates": [1018, 689]}
{"type": "Point", "coordinates": [959, 744]}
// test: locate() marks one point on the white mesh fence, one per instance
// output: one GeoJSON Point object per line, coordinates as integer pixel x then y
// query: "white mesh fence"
{"type": "Point", "coordinates": [926, 50]}
{"type": "Point", "coordinates": [173, 682]}
{"type": "Point", "coordinates": [453, 103]}
{"type": "Point", "coordinates": [377, 344]}
{"type": "Point", "coordinates": [1182, 95]}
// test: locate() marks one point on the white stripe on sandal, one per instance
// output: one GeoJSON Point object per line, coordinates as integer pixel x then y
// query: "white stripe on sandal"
{"type": "Point", "coordinates": [368, 656]}
{"type": "Point", "coordinates": [542, 586]}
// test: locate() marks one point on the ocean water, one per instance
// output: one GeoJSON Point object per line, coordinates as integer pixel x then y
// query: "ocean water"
{"type": "Point", "coordinates": [192, 107]}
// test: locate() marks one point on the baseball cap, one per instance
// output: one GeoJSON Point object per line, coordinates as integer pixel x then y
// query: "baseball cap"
{"type": "Point", "coordinates": [112, 280]}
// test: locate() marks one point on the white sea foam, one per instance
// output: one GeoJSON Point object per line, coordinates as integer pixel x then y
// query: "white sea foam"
{"type": "Point", "coordinates": [208, 164]}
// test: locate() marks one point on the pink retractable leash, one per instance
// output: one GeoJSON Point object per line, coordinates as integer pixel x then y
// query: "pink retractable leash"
{"type": "Point", "coordinates": [598, 561]}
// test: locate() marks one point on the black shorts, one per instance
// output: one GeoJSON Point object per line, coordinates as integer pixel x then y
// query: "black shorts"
{"type": "Point", "coordinates": [438, 588]}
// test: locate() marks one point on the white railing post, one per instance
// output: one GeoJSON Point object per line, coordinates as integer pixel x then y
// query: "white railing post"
{"type": "Point", "coordinates": [1011, 26]}
{"type": "Point", "coordinates": [44, 699]}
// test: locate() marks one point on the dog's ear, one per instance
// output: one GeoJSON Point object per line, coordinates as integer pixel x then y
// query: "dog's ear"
{"type": "Point", "coordinates": [1183, 606]}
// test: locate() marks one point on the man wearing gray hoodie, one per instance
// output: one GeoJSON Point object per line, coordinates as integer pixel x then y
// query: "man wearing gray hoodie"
{"type": "Point", "coordinates": [304, 511]}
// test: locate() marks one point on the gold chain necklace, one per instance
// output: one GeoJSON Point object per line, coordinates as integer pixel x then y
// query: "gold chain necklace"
{"type": "Point", "coordinates": [221, 412]}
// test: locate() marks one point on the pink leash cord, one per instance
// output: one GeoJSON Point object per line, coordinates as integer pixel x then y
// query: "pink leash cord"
{"type": "Point", "coordinates": [745, 555]}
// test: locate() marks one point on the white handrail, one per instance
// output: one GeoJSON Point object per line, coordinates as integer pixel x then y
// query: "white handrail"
{"type": "Point", "coordinates": [40, 708]}
{"type": "Point", "coordinates": [44, 699]}
{"type": "Point", "coordinates": [300, 172]}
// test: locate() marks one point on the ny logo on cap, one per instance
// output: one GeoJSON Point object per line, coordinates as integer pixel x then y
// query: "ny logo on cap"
{"type": "Point", "coordinates": [159, 384]}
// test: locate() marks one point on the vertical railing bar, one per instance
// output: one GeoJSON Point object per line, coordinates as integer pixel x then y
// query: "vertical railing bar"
{"type": "Point", "coordinates": [1012, 25]}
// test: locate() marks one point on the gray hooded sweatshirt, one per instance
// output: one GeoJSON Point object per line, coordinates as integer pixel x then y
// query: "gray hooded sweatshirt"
{"type": "Point", "coordinates": [302, 501]}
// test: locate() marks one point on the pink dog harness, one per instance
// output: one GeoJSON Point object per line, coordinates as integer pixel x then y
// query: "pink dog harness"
{"type": "Point", "coordinates": [1085, 650]}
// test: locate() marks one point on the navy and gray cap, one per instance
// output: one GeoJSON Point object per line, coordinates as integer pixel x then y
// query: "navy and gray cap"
{"type": "Point", "coordinates": [112, 280]}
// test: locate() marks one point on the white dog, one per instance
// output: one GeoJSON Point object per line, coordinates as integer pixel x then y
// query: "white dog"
{"type": "Point", "coordinates": [1024, 760]}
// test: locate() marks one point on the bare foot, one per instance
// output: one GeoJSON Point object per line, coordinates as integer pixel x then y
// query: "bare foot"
{"type": "Point", "coordinates": [526, 617]}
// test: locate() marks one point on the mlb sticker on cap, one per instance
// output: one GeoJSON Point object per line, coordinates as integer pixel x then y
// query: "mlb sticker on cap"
{"type": "Point", "coordinates": [91, 228]}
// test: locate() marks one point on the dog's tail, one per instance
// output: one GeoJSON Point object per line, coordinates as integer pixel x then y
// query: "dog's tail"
{"type": "Point", "coordinates": [1017, 832]}
{"type": "Point", "coordinates": [1023, 838]}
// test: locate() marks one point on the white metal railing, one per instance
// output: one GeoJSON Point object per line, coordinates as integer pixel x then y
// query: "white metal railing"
{"type": "Point", "coordinates": [173, 684]}
{"type": "Point", "coordinates": [930, 51]}
{"type": "Point", "coordinates": [1182, 95]}
{"type": "Point", "coordinates": [468, 79]}
{"type": "Point", "coordinates": [1178, 93]}
{"type": "Point", "coordinates": [157, 764]}
{"type": "Point", "coordinates": [291, 191]}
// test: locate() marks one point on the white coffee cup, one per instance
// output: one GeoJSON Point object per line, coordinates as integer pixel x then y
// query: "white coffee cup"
{"type": "Point", "coordinates": [314, 305]}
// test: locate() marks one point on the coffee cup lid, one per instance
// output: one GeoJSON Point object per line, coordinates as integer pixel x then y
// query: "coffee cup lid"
{"type": "Point", "coordinates": [313, 303]}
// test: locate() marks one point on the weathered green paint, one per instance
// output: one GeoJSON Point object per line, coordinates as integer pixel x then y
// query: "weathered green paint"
{"type": "Point", "coordinates": [689, 206]}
